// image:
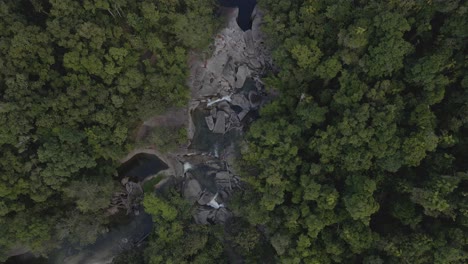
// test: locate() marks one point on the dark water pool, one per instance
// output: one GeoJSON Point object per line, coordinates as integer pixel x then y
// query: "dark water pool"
{"type": "Point", "coordinates": [27, 258]}
{"type": "Point", "coordinates": [246, 8]}
{"type": "Point", "coordinates": [141, 166]}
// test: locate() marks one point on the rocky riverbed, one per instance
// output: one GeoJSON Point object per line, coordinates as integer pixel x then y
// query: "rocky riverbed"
{"type": "Point", "coordinates": [227, 92]}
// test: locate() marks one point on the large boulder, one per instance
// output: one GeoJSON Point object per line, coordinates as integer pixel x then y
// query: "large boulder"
{"type": "Point", "coordinates": [209, 122]}
{"type": "Point", "coordinates": [241, 101]}
{"type": "Point", "coordinates": [209, 86]}
{"type": "Point", "coordinates": [242, 73]}
{"type": "Point", "coordinates": [234, 120]}
{"type": "Point", "coordinates": [254, 63]}
{"type": "Point", "coordinates": [249, 42]}
{"type": "Point", "coordinates": [220, 125]}
{"type": "Point", "coordinates": [223, 180]}
{"type": "Point", "coordinates": [192, 190]}
{"type": "Point", "coordinates": [224, 106]}
{"type": "Point", "coordinates": [205, 198]}
{"type": "Point", "coordinates": [201, 216]}
{"type": "Point", "coordinates": [222, 215]}
{"type": "Point", "coordinates": [242, 114]}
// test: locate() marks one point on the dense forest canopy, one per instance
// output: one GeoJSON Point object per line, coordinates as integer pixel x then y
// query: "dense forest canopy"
{"type": "Point", "coordinates": [76, 79]}
{"type": "Point", "coordinates": [362, 159]}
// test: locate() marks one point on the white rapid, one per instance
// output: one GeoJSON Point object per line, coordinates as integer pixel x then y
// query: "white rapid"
{"type": "Point", "coordinates": [213, 203]}
{"type": "Point", "coordinates": [187, 167]}
{"type": "Point", "coordinates": [224, 98]}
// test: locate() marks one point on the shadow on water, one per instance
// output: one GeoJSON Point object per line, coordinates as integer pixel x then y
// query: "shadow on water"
{"type": "Point", "coordinates": [141, 166]}
{"type": "Point", "coordinates": [26, 258]}
{"type": "Point", "coordinates": [246, 8]}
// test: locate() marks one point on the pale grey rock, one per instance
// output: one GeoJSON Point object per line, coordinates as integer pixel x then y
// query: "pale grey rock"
{"type": "Point", "coordinates": [205, 198]}
{"type": "Point", "coordinates": [214, 164]}
{"type": "Point", "coordinates": [223, 195]}
{"type": "Point", "coordinates": [124, 181]}
{"type": "Point", "coordinates": [223, 180]}
{"type": "Point", "coordinates": [216, 64]}
{"type": "Point", "coordinates": [242, 114]}
{"type": "Point", "coordinates": [254, 63]}
{"type": "Point", "coordinates": [220, 124]}
{"type": "Point", "coordinates": [209, 122]}
{"type": "Point", "coordinates": [257, 34]}
{"type": "Point", "coordinates": [249, 42]}
{"type": "Point", "coordinates": [234, 119]}
{"type": "Point", "coordinates": [213, 112]}
{"type": "Point", "coordinates": [222, 215]}
{"type": "Point", "coordinates": [240, 100]}
{"type": "Point", "coordinates": [242, 73]}
{"type": "Point", "coordinates": [207, 90]}
{"type": "Point", "coordinates": [201, 216]}
{"type": "Point", "coordinates": [224, 106]}
{"type": "Point", "coordinates": [192, 190]}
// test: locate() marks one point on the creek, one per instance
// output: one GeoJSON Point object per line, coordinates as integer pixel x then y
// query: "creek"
{"type": "Point", "coordinates": [246, 7]}
{"type": "Point", "coordinates": [241, 59]}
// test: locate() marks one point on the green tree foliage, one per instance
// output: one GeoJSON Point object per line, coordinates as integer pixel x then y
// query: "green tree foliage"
{"type": "Point", "coordinates": [362, 159]}
{"type": "Point", "coordinates": [176, 238]}
{"type": "Point", "coordinates": [168, 139]}
{"type": "Point", "coordinates": [76, 78]}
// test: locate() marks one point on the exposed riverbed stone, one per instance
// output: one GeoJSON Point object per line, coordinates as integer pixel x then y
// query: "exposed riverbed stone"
{"type": "Point", "coordinates": [205, 198]}
{"type": "Point", "coordinates": [240, 100]}
{"type": "Point", "coordinates": [209, 122]}
{"type": "Point", "coordinates": [224, 106]}
{"type": "Point", "coordinates": [249, 42]}
{"type": "Point", "coordinates": [192, 190]}
{"type": "Point", "coordinates": [242, 73]}
{"type": "Point", "coordinates": [222, 215]}
{"type": "Point", "coordinates": [220, 124]}
{"type": "Point", "coordinates": [234, 120]}
{"type": "Point", "coordinates": [201, 216]}
{"type": "Point", "coordinates": [217, 83]}
{"type": "Point", "coordinates": [254, 63]}
{"type": "Point", "coordinates": [223, 180]}
{"type": "Point", "coordinates": [242, 114]}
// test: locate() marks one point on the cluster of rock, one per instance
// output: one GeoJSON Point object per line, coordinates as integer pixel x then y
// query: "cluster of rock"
{"type": "Point", "coordinates": [218, 87]}
{"type": "Point", "coordinates": [129, 198]}
{"type": "Point", "coordinates": [223, 117]}
{"type": "Point", "coordinates": [237, 56]}
{"type": "Point", "coordinates": [210, 200]}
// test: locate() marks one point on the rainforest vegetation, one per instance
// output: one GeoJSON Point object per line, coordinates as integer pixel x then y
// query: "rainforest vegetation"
{"type": "Point", "coordinates": [361, 159]}
{"type": "Point", "coordinates": [76, 78]}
